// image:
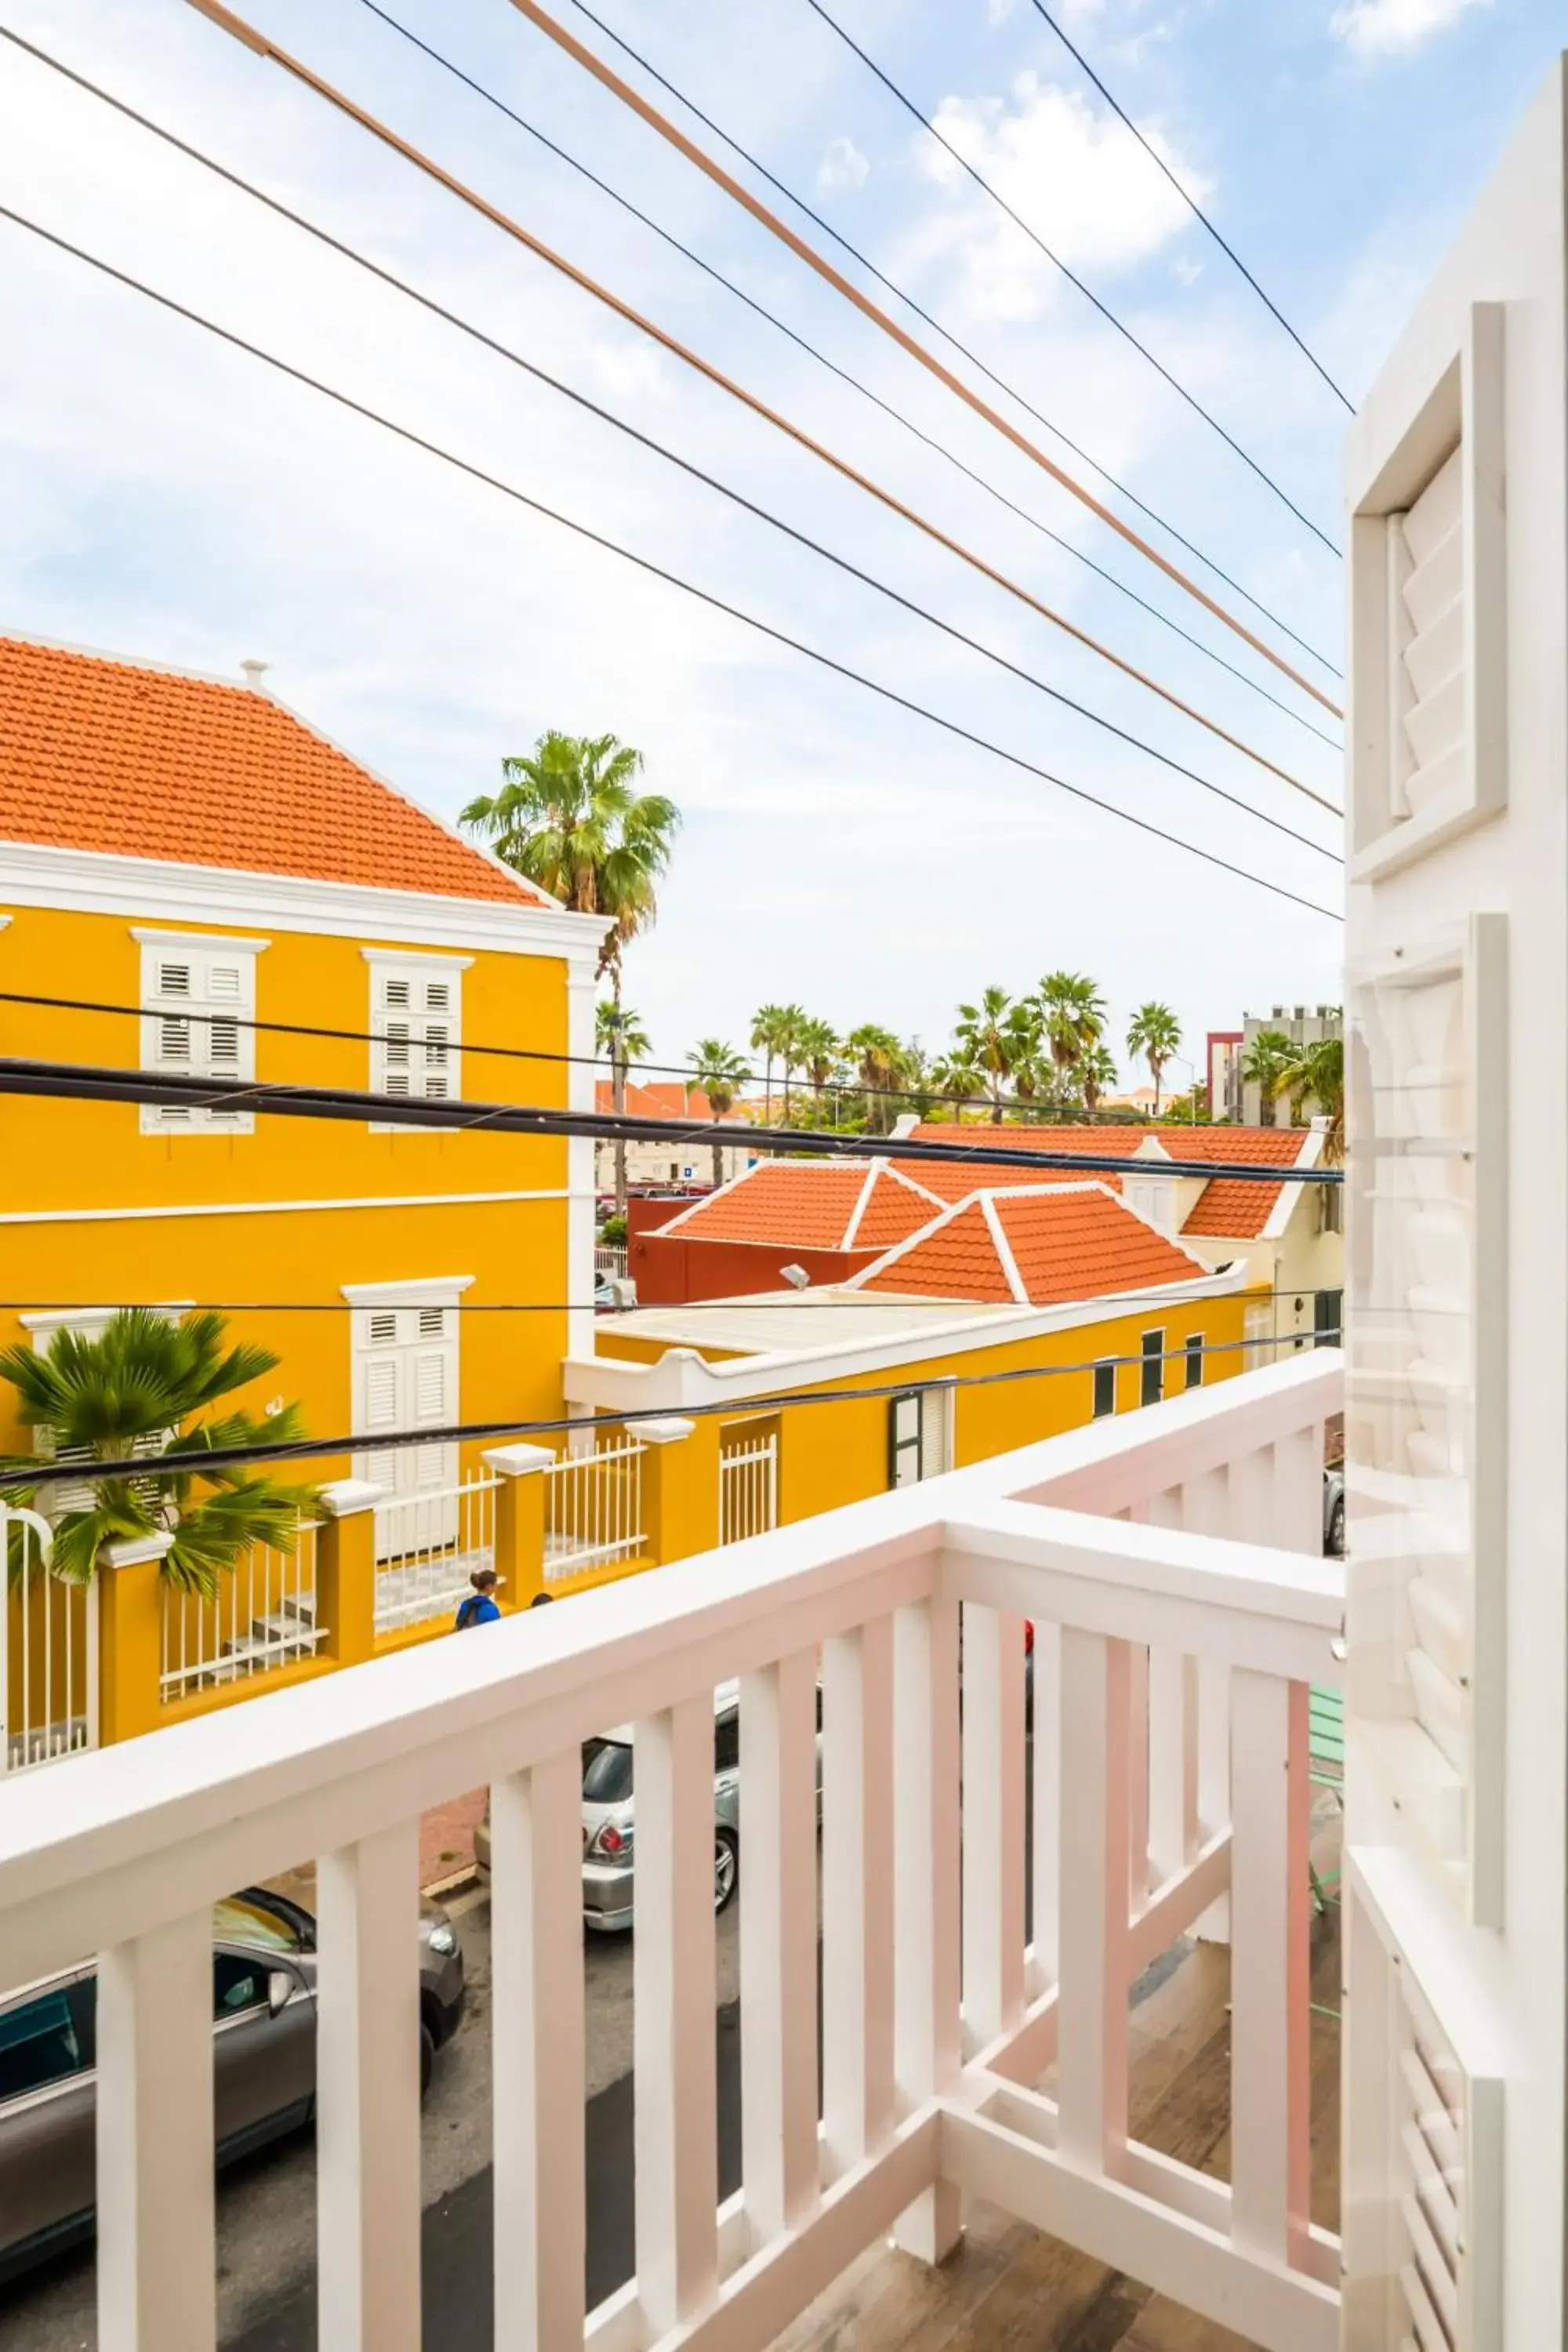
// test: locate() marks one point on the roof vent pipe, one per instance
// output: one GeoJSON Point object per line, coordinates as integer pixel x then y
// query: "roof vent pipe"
{"type": "Point", "coordinates": [252, 673]}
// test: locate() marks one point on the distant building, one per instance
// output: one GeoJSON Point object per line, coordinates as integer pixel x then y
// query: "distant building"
{"type": "Point", "coordinates": [1304, 1024]}
{"type": "Point", "coordinates": [685, 1158]}
{"type": "Point", "coordinates": [1222, 1072]}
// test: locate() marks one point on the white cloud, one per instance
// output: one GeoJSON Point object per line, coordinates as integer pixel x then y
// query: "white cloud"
{"type": "Point", "coordinates": [1074, 176]}
{"type": "Point", "coordinates": [1385, 28]}
{"type": "Point", "coordinates": [1186, 271]}
{"type": "Point", "coordinates": [842, 167]}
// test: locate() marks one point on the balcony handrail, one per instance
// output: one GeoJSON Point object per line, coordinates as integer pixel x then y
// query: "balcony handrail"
{"type": "Point", "coordinates": [427, 1723]}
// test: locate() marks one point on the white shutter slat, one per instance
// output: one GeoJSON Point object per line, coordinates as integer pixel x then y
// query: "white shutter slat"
{"type": "Point", "coordinates": [381, 1386]}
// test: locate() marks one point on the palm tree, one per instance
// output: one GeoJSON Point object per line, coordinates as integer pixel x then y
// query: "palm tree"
{"type": "Point", "coordinates": [1269, 1052]}
{"type": "Point", "coordinates": [982, 1032]}
{"type": "Point", "coordinates": [771, 1021]}
{"type": "Point", "coordinates": [957, 1078]}
{"type": "Point", "coordinates": [567, 817]}
{"type": "Point", "coordinates": [146, 1385]}
{"type": "Point", "coordinates": [721, 1072]}
{"type": "Point", "coordinates": [1073, 1014]}
{"type": "Point", "coordinates": [792, 1020]}
{"type": "Point", "coordinates": [1317, 1074]}
{"type": "Point", "coordinates": [816, 1044]}
{"type": "Point", "coordinates": [621, 1038]}
{"type": "Point", "coordinates": [1097, 1074]}
{"type": "Point", "coordinates": [882, 1063]}
{"type": "Point", "coordinates": [1026, 1036]}
{"type": "Point", "coordinates": [1156, 1034]}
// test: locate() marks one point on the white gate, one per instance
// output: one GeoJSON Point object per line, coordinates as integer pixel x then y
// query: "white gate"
{"type": "Point", "coordinates": [49, 1653]}
{"type": "Point", "coordinates": [748, 1486]}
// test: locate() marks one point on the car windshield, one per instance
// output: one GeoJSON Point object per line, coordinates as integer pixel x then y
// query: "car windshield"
{"type": "Point", "coordinates": [242, 1920]}
{"type": "Point", "coordinates": [607, 1771]}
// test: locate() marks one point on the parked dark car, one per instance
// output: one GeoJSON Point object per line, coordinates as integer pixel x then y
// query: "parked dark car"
{"type": "Point", "coordinates": [264, 2059]}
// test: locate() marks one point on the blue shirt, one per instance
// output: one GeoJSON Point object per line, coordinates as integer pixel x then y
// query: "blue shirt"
{"type": "Point", "coordinates": [478, 1609]}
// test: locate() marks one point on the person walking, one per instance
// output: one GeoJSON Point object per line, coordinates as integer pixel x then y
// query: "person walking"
{"type": "Point", "coordinates": [480, 1606]}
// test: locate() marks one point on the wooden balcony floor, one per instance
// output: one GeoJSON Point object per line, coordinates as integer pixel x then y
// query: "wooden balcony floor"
{"type": "Point", "coordinates": [1008, 2288]}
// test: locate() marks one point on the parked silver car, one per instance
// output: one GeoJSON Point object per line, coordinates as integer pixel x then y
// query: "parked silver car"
{"type": "Point", "coordinates": [264, 2059]}
{"type": "Point", "coordinates": [1335, 1513]}
{"type": "Point", "coordinates": [609, 1835]}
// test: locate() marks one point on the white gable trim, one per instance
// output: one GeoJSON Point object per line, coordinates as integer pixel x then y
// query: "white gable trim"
{"type": "Point", "coordinates": [159, 890]}
{"type": "Point", "coordinates": [1003, 1247]}
{"type": "Point", "coordinates": [859, 1210]}
{"type": "Point", "coordinates": [722, 1194]}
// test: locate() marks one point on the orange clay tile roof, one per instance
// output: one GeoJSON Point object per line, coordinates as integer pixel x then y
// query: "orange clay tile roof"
{"type": "Point", "coordinates": [810, 1204]}
{"type": "Point", "coordinates": [1065, 1243]}
{"type": "Point", "coordinates": [108, 756]}
{"type": "Point", "coordinates": [952, 1181]}
{"type": "Point", "coordinates": [1236, 1208]}
{"type": "Point", "coordinates": [665, 1099]}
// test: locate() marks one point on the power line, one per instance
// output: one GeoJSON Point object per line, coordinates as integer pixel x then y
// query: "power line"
{"type": "Point", "coordinates": [736, 390]}
{"type": "Point", "coordinates": [262, 47]}
{"type": "Point", "coordinates": [88, 1083]}
{"type": "Point", "coordinates": [1193, 204]}
{"type": "Point", "coordinates": [947, 337]}
{"type": "Point", "coordinates": [1083, 288]}
{"type": "Point", "coordinates": [308, 1449]}
{"type": "Point", "coordinates": [1044, 1114]}
{"type": "Point", "coordinates": [845, 375]}
{"type": "Point", "coordinates": [645, 563]}
{"type": "Point", "coordinates": [710, 481]}
{"type": "Point", "coordinates": [751, 1304]}
{"type": "Point", "coordinates": [687, 1129]}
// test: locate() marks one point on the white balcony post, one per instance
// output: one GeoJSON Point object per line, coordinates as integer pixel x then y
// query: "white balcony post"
{"type": "Point", "coordinates": [857, 1824]}
{"type": "Point", "coordinates": [1046, 1828]}
{"type": "Point", "coordinates": [926, 1890]}
{"type": "Point", "coordinates": [536, 1957]}
{"type": "Point", "coordinates": [157, 2281]}
{"type": "Point", "coordinates": [779, 2166]}
{"type": "Point", "coordinates": [1092, 2004]}
{"type": "Point", "coordinates": [1270, 2021]}
{"type": "Point", "coordinates": [993, 1827]}
{"type": "Point", "coordinates": [1172, 1711]}
{"type": "Point", "coordinates": [367, 2093]}
{"type": "Point", "coordinates": [673, 1994]}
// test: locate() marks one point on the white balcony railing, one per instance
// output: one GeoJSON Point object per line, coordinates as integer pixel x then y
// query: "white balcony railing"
{"type": "Point", "coordinates": [592, 1509]}
{"type": "Point", "coordinates": [1171, 1563]}
{"type": "Point", "coordinates": [262, 1616]}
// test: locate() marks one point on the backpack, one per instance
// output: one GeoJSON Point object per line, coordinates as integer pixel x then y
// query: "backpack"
{"type": "Point", "coordinates": [468, 1615]}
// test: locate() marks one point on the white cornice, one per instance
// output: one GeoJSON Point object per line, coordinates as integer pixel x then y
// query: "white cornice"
{"type": "Point", "coordinates": [138, 1213]}
{"type": "Point", "coordinates": [405, 956]}
{"type": "Point", "coordinates": [197, 943]}
{"type": "Point", "coordinates": [159, 890]}
{"type": "Point", "coordinates": [431, 1290]}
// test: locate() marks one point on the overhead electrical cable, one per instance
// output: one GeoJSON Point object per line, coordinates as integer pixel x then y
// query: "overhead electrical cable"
{"type": "Point", "coordinates": [736, 390]}
{"type": "Point", "coordinates": [247, 34]}
{"type": "Point", "coordinates": [1081, 284]}
{"type": "Point", "coordinates": [88, 1082]}
{"type": "Point", "coordinates": [907, 299]}
{"type": "Point", "coordinates": [1021, 1114]}
{"type": "Point", "coordinates": [751, 506]}
{"type": "Point", "coordinates": [46, 1473]}
{"type": "Point", "coordinates": [1192, 204]}
{"type": "Point", "coordinates": [812, 351]}
{"type": "Point", "coordinates": [750, 1302]}
{"type": "Point", "coordinates": [645, 563]}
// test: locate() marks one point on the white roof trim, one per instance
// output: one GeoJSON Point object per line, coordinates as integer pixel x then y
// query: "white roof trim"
{"type": "Point", "coordinates": [432, 1290]}
{"type": "Point", "coordinates": [155, 889]}
{"type": "Point", "coordinates": [707, 1199]}
{"type": "Point", "coordinates": [1003, 1247]}
{"type": "Point", "coordinates": [859, 1210]}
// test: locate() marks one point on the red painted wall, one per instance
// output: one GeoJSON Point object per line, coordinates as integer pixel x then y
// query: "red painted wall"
{"type": "Point", "coordinates": [669, 1269]}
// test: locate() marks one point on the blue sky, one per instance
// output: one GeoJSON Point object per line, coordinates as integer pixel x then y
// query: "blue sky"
{"type": "Point", "coordinates": [168, 499]}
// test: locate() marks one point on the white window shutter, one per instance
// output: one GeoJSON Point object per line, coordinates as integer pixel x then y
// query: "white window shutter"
{"type": "Point", "coordinates": [415, 1030]}
{"type": "Point", "coordinates": [186, 1034]}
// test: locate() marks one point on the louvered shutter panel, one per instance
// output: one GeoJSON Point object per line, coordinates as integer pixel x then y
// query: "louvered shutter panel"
{"type": "Point", "coordinates": [415, 1027]}
{"type": "Point", "coordinates": [186, 1034]}
{"type": "Point", "coordinates": [1430, 557]}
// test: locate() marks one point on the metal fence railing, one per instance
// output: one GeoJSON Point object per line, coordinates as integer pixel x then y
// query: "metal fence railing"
{"type": "Point", "coordinates": [610, 1259]}
{"type": "Point", "coordinates": [262, 1616]}
{"type": "Point", "coordinates": [748, 1487]}
{"type": "Point", "coordinates": [592, 1509]}
{"type": "Point", "coordinates": [427, 1545]}
{"type": "Point", "coordinates": [49, 1653]}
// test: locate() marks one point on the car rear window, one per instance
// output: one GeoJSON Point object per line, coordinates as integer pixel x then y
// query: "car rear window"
{"type": "Point", "coordinates": [607, 1771]}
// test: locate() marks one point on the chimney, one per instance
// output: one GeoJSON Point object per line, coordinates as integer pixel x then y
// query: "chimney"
{"type": "Point", "coordinates": [252, 672]}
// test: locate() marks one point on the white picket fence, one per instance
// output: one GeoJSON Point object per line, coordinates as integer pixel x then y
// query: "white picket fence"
{"type": "Point", "coordinates": [748, 1487]}
{"type": "Point", "coordinates": [262, 1616]}
{"type": "Point", "coordinates": [610, 1259]}
{"type": "Point", "coordinates": [48, 1653]}
{"type": "Point", "coordinates": [592, 1509]}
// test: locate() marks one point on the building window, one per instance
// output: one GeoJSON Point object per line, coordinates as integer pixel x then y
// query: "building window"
{"type": "Point", "coordinates": [415, 1020]}
{"type": "Point", "coordinates": [919, 1436]}
{"type": "Point", "coordinates": [1153, 1368]}
{"type": "Point", "coordinates": [1104, 1390]}
{"type": "Point", "coordinates": [403, 1340]}
{"type": "Point", "coordinates": [1195, 1352]}
{"type": "Point", "coordinates": [198, 1008]}
{"type": "Point", "coordinates": [1328, 1318]}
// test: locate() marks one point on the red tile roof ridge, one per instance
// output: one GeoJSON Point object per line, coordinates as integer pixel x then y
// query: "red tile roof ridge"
{"type": "Point", "coordinates": [242, 696]}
